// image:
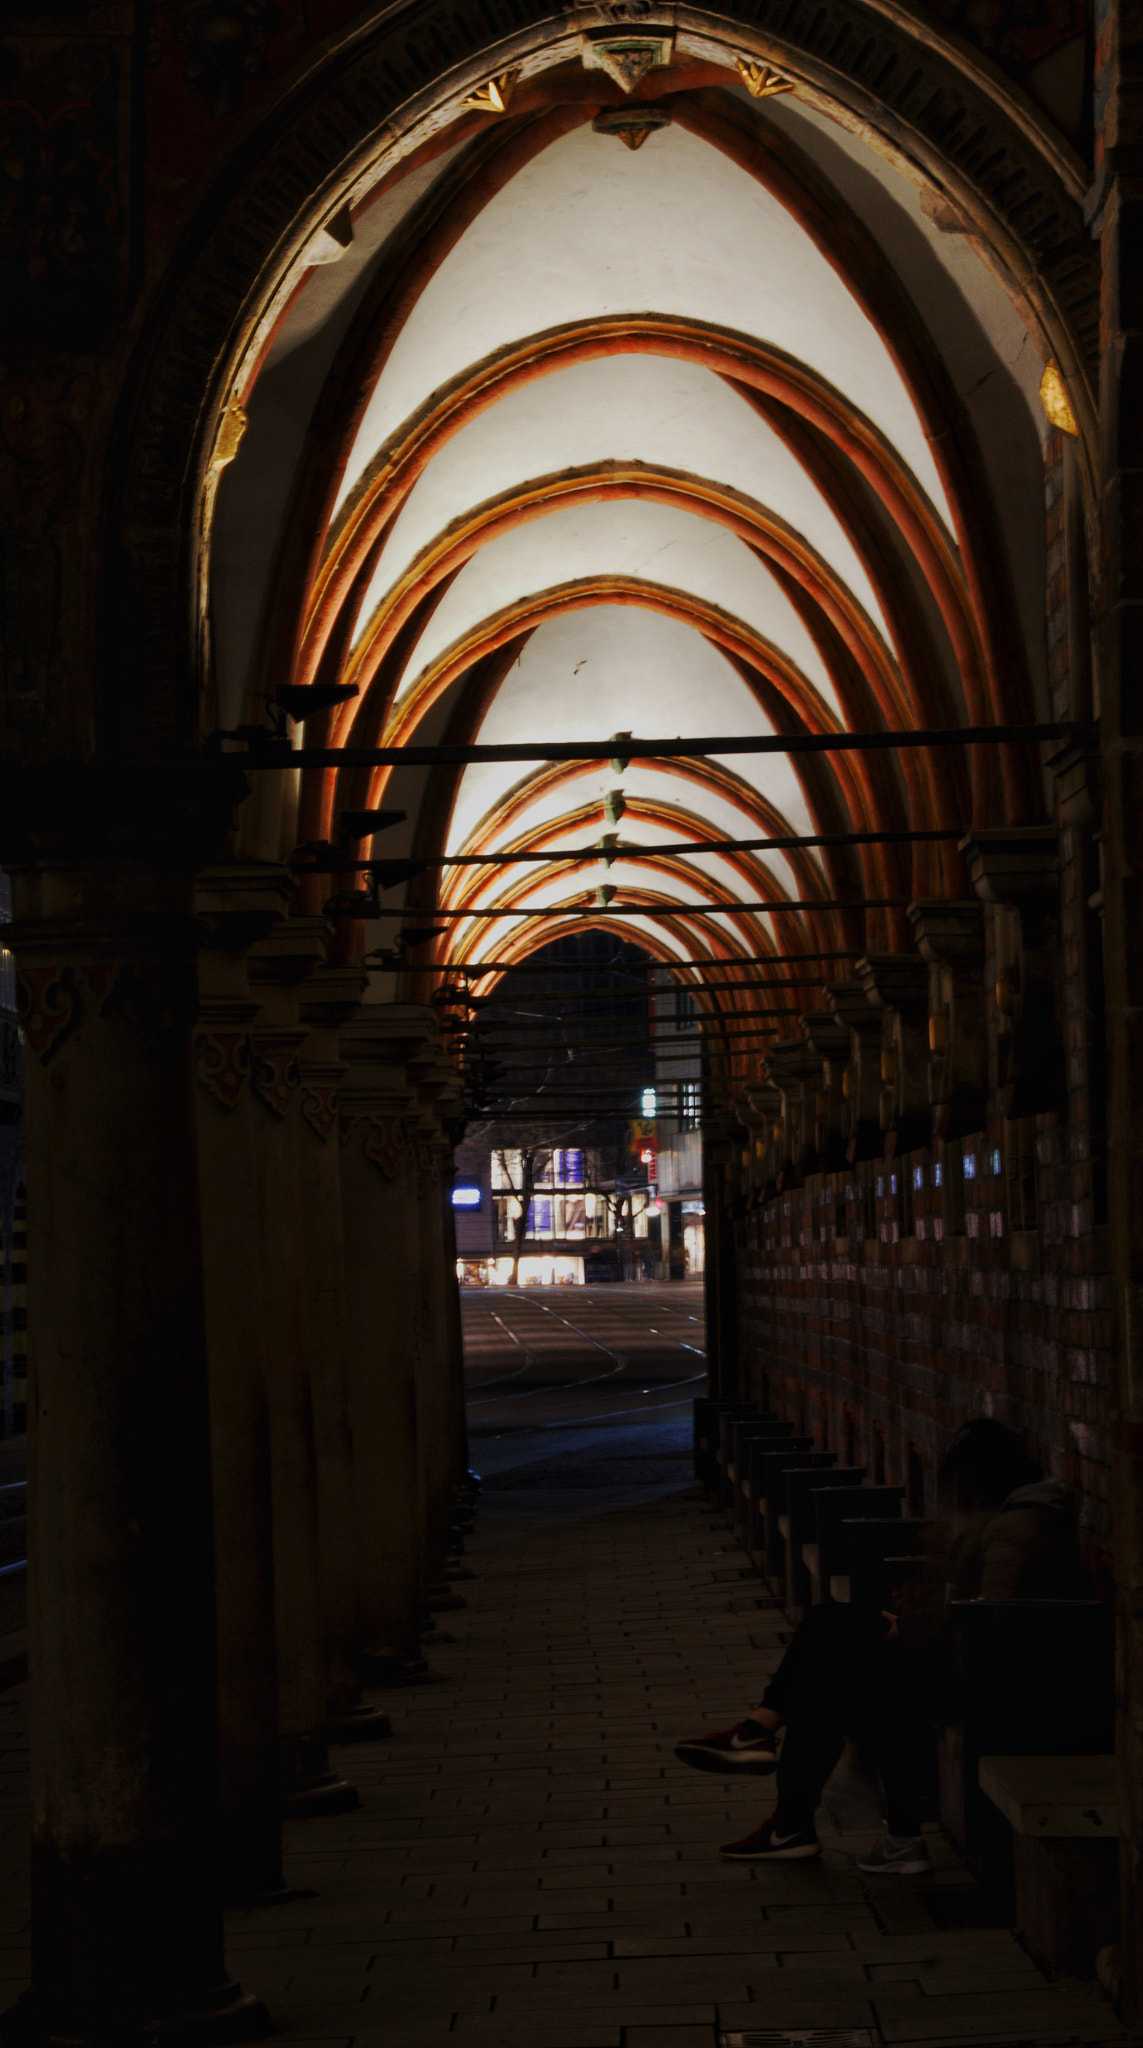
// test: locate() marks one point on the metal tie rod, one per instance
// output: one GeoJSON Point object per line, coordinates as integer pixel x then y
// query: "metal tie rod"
{"type": "Point", "coordinates": [478, 968]}
{"type": "Point", "coordinates": [477, 910]}
{"type": "Point", "coordinates": [511, 1033]}
{"type": "Point", "coordinates": [623, 747]}
{"type": "Point", "coordinates": [633, 849]}
{"type": "Point", "coordinates": [482, 1004]}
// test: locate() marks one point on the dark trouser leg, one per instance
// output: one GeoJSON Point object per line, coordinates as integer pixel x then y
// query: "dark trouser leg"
{"type": "Point", "coordinates": [900, 1767]}
{"type": "Point", "coordinates": [888, 1692]}
{"type": "Point", "coordinates": [808, 1665]}
{"type": "Point", "coordinates": [812, 1744]}
{"type": "Point", "coordinates": [804, 1692]}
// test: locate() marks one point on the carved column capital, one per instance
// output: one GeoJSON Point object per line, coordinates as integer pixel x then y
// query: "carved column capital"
{"type": "Point", "coordinates": [275, 1076]}
{"type": "Point", "coordinates": [277, 964]}
{"type": "Point", "coordinates": [320, 1082]}
{"type": "Point", "coordinates": [376, 1099]}
{"type": "Point", "coordinates": [223, 1058]}
{"type": "Point", "coordinates": [49, 1006]}
{"type": "Point", "coordinates": [115, 943]}
{"type": "Point", "coordinates": [327, 998]}
{"type": "Point", "coordinates": [383, 1136]}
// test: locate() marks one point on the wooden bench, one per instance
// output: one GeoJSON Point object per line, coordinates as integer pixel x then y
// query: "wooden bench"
{"type": "Point", "coordinates": [757, 1485]}
{"type": "Point", "coordinates": [798, 1523]}
{"type": "Point", "coordinates": [724, 1456]}
{"type": "Point", "coordinates": [743, 1433]}
{"type": "Point", "coordinates": [867, 1545]}
{"type": "Point", "coordinates": [1036, 1678]}
{"type": "Point", "coordinates": [1064, 1818]}
{"type": "Point", "coordinates": [777, 1465]}
{"type": "Point", "coordinates": [834, 1507]}
{"type": "Point", "coordinates": [707, 1410]}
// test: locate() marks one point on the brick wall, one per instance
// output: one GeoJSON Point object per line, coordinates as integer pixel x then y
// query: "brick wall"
{"type": "Point", "coordinates": [883, 1304]}
{"type": "Point", "coordinates": [851, 1316]}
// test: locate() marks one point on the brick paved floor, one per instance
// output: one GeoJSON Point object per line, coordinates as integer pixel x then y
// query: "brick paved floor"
{"type": "Point", "coordinates": [532, 1868]}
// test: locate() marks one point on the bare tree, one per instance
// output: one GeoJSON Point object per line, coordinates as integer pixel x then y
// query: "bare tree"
{"type": "Point", "coordinates": [535, 1156]}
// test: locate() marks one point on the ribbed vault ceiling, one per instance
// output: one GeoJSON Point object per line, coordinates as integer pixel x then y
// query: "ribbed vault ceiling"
{"type": "Point", "coordinates": [655, 441]}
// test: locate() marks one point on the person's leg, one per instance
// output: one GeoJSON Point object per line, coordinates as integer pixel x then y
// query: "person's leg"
{"type": "Point", "coordinates": [803, 1694]}
{"type": "Point", "coordinates": [807, 1665]}
{"type": "Point", "coordinates": [885, 1695]}
{"type": "Point", "coordinates": [813, 1742]}
{"type": "Point", "coordinates": [900, 1767]}
{"type": "Point", "coordinates": [805, 1672]}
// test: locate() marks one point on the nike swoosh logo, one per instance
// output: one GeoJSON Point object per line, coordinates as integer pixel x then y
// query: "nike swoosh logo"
{"type": "Point", "coordinates": [751, 1742]}
{"type": "Point", "coordinates": [780, 1841]}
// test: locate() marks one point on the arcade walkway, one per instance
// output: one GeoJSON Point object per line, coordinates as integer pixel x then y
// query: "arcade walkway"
{"type": "Point", "coordinates": [530, 1867]}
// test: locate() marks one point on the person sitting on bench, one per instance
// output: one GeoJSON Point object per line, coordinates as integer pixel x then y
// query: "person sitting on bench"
{"type": "Point", "coordinates": [885, 1678]}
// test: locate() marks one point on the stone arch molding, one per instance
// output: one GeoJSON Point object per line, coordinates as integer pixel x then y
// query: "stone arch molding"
{"type": "Point", "coordinates": [1005, 177]}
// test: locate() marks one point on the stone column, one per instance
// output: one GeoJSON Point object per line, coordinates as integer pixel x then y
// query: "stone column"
{"type": "Point", "coordinates": [329, 996]}
{"type": "Point", "coordinates": [1116, 207]}
{"type": "Point", "coordinates": [237, 905]}
{"type": "Point", "coordinates": [445, 1443]}
{"type": "Point", "coordinates": [450, 1109]}
{"type": "Point", "coordinates": [720, 1276]}
{"type": "Point", "coordinates": [277, 965]}
{"type": "Point", "coordinates": [382, 1250]}
{"type": "Point", "coordinates": [126, 1926]}
{"type": "Point", "coordinates": [441, 1397]}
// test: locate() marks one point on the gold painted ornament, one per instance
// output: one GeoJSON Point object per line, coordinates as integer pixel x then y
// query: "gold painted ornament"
{"type": "Point", "coordinates": [495, 96]}
{"type": "Point", "coordinates": [1056, 403]}
{"type": "Point", "coordinates": [760, 82]}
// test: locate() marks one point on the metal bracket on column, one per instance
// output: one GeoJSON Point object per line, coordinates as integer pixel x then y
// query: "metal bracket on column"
{"type": "Point", "coordinates": [830, 1039]}
{"type": "Point", "coordinates": [898, 984]}
{"type": "Point", "coordinates": [861, 1078]}
{"type": "Point", "coordinates": [1018, 866]}
{"type": "Point", "coordinates": [792, 1065]}
{"type": "Point", "coordinates": [950, 935]}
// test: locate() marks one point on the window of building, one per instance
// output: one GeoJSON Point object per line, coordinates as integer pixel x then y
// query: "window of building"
{"type": "Point", "coordinates": [690, 1093]}
{"type": "Point", "coordinates": [540, 1216]}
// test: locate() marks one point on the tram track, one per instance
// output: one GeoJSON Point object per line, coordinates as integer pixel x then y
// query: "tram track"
{"type": "Point", "coordinates": [614, 1322]}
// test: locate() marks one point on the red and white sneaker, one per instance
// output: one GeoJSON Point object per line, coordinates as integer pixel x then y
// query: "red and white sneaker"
{"type": "Point", "coordinates": [765, 1845]}
{"type": "Point", "coordinates": [741, 1748]}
